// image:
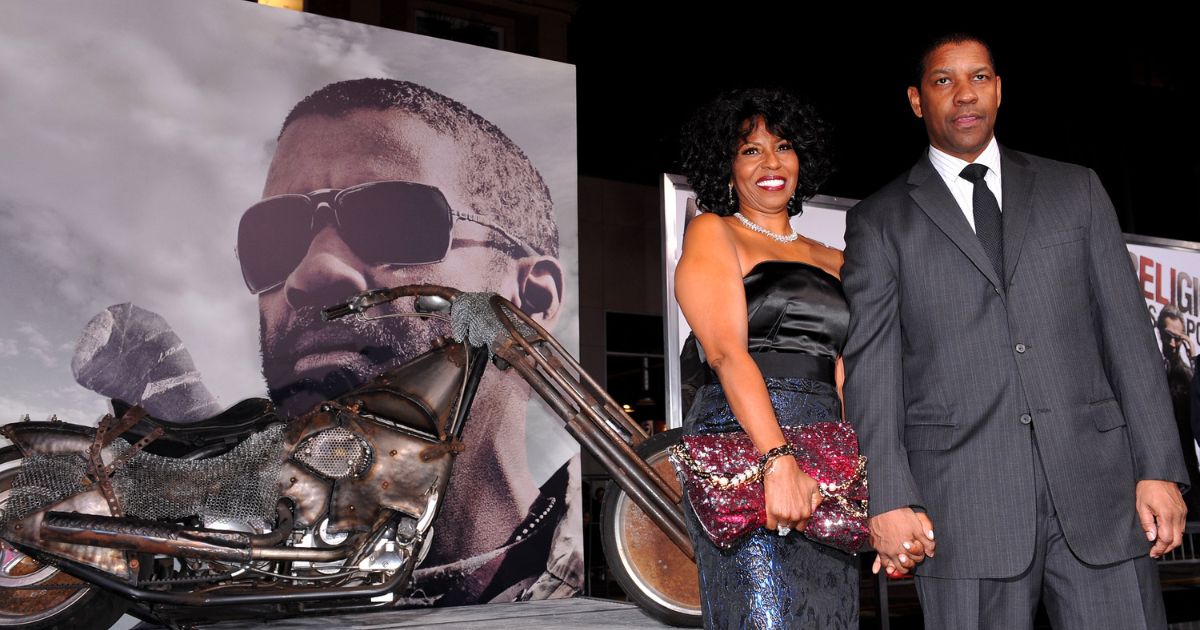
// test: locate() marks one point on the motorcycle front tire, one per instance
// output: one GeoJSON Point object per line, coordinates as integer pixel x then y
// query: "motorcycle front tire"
{"type": "Point", "coordinates": [652, 571]}
{"type": "Point", "coordinates": [85, 608]}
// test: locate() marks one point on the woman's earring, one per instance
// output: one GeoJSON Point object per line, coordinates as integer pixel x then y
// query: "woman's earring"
{"type": "Point", "coordinates": [731, 203]}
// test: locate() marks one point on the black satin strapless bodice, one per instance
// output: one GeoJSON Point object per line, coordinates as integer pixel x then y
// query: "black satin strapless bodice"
{"type": "Point", "coordinates": [795, 307]}
{"type": "Point", "coordinates": [798, 321]}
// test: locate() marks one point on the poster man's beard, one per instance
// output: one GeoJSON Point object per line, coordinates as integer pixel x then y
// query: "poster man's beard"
{"type": "Point", "coordinates": [381, 345]}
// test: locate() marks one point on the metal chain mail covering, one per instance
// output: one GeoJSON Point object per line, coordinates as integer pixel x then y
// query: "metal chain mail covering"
{"type": "Point", "coordinates": [474, 320]}
{"type": "Point", "coordinates": [44, 480]}
{"type": "Point", "coordinates": [241, 485]}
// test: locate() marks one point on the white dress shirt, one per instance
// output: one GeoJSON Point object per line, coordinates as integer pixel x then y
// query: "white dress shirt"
{"type": "Point", "coordinates": [963, 190]}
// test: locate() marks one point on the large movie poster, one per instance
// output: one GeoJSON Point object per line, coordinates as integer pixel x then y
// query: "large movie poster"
{"type": "Point", "coordinates": [183, 185]}
{"type": "Point", "coordinates": [1169, 275]}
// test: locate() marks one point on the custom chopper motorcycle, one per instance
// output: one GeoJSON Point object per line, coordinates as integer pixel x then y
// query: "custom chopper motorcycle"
{"type": "Point", "coordinates": [249, 515]}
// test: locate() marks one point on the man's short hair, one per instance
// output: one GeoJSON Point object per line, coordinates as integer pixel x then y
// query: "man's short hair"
{"type": "Point", "coordinates": [1168, 312]}
{"type": "Point", "coordinates": [501, 182]}
{"type": "Point", "coordinates": [942, 40]}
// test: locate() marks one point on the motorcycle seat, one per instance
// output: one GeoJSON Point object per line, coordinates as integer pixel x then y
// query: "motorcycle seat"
{"type": "Point", "coordinates": [180, 438]}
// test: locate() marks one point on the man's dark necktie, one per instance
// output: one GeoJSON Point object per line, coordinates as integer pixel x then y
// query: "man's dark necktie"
{"type": "Point", "coordinates": [987, 216]}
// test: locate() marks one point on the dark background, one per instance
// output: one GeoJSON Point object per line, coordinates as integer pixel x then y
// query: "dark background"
{"type": "Point", "coordinates": [1113, 92]}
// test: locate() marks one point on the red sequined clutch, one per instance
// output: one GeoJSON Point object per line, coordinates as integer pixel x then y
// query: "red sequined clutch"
{"type": "Point", "coordinates": [721, 476]}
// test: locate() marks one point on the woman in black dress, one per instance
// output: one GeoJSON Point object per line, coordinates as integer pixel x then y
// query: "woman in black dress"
{"type": "Point", "coordinates": [767, 307]}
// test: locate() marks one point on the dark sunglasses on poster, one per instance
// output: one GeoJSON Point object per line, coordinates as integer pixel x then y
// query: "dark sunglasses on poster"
{"type": "Point", "coordinates": [383, 223]}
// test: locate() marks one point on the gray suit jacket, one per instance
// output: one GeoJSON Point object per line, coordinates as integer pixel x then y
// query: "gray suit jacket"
{"type": "Point", "coordinates": [953, 373]}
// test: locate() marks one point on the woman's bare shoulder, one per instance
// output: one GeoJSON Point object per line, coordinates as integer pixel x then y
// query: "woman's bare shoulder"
{"type": "Point", "coordinates": [708, 234]}
{"type": "Point", "coordinates": [707, 225]}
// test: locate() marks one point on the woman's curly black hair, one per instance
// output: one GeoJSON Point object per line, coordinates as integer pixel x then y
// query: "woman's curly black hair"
{"type": "Point", "coordinates": [710, 139]}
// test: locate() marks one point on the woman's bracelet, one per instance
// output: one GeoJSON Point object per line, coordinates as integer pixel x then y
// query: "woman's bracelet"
{"type": "Point", "coordinates": [783, 450]}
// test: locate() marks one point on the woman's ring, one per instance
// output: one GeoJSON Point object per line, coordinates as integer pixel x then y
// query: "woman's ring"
{"type": "Point", "coordinates": [783, 530]}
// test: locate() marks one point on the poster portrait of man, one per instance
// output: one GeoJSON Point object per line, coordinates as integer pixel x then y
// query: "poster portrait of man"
{"type": "Point", "coordinates": [191, 208]}
{"type": "Point", "coordinates": [1167, 271]}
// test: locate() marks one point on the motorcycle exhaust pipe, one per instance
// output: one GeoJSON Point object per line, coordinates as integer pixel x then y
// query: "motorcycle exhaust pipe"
{"type": "Point", "coordinates": [144, 536]}
{"type": "Point", "coordinates": [243, 597]}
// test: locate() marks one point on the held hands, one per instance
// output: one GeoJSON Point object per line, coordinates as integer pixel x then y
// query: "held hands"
{"type": "Point", "coordinates": [791, 496]}
{"type": "Point", "coordinates": [903, 538]}
{"type": "Point", "coordinates": [1163, 514]}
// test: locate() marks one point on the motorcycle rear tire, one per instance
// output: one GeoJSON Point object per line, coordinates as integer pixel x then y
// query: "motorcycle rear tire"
{"type": "Point", "coordinates": [88, 608]}
{"type": "Point", "coordinates": [652, 571]}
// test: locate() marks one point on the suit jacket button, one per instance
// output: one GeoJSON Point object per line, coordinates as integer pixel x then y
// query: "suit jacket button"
{"type": "Point", "coordinates": [1020, 348]}
{"type": "Point", "coordinates": [1026, 418]}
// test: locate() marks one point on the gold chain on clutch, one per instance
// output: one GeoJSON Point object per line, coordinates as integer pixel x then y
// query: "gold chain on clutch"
{"type": "Point", "coordinates": [753, 474]}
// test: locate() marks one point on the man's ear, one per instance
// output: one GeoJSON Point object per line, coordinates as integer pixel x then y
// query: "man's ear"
{"type": "Point", "coordinates": [540, 288]}
{"type": "Point", "coordinates": [914, 100]}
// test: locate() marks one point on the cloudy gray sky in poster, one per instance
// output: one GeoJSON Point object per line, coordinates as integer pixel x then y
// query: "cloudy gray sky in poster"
{"type": "Point", "coordinates": [133, 134]}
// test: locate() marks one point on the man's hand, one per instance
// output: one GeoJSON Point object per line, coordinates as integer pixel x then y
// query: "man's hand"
{"type": "Point", "coordinates": [903, 538]}
{"type": "Point", "coordinates": [1163, 514]}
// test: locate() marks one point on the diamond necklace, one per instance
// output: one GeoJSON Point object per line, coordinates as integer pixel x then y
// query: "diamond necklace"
{"type": "Point", "coordinates": [782, 238]}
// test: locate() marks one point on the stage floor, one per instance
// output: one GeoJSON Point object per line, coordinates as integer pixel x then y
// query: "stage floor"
{"type": "Point", "coordinates": [577, 612]}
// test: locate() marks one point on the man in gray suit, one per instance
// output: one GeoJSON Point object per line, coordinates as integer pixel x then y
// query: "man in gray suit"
{"type": "Point", "coordinates": [1004, 378]}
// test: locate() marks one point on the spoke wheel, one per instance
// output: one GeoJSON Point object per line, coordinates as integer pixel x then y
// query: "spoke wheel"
{"type": "Point", "coordinates": [653, 572]}
{"type": "Point", "coordinates": [65, 602]}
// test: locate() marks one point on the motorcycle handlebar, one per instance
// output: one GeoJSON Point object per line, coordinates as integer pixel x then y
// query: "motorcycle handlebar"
{"type": "Point", "coordinates": [366, 300]}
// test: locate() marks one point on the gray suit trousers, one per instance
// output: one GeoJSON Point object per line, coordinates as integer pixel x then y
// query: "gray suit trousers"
{"type": "Point", "coordinates": [1078, 596]}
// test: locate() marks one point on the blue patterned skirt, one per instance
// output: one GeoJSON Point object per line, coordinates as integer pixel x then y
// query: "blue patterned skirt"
{"type": "Point", "coordinates": [770, 581]}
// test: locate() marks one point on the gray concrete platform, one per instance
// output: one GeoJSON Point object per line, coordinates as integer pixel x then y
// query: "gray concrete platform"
{"type": "Point", "coordinates": [568, 614]}
{"type": "Point", "coordinates": [577, 612]}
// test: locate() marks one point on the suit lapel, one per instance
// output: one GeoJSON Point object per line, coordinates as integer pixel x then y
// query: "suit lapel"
{"type": "Point", "coordinates": [935, 200]}
{"type": "Point", "coordinates": [1017, 181]}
